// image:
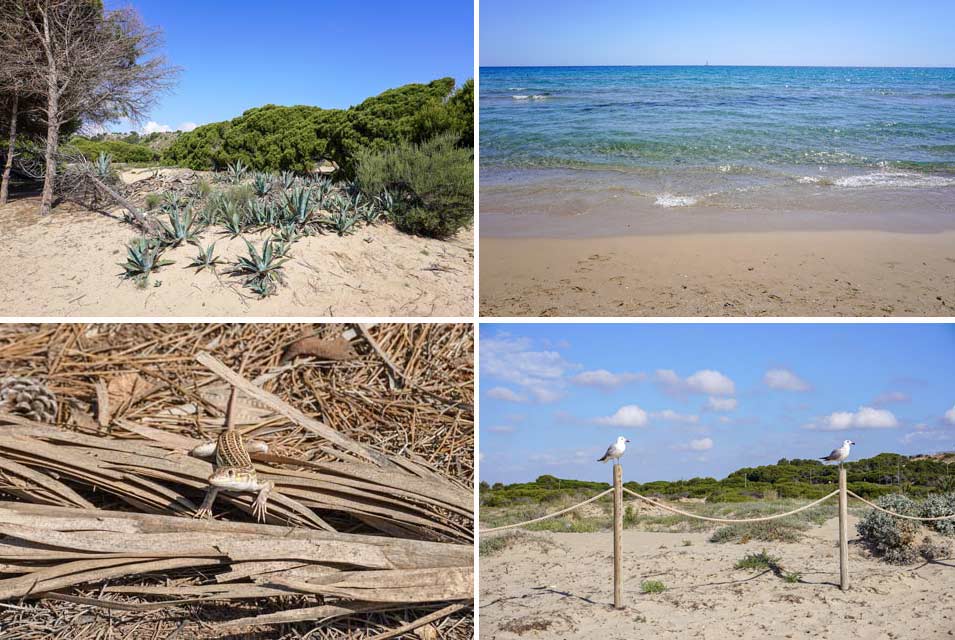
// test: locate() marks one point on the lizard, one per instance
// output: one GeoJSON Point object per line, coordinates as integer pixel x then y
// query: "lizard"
{"type": "Point", "coordinates": [233, 469]}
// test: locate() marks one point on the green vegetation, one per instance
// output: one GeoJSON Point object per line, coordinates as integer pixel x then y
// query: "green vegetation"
{"type": "Point", "coordinates": [120, 151]}
{"type": "Point", "coordinates": [432, 184]}
{"type": "Point", "coordinates": [886, 473]}
{"type": "Point", "coordinates": [902, 541]}
{"type": "Point", "coordinates": [761, 561]}
{"type": "Point", "coordinates": [262, 270]}
{"type": "Point", "coordinates": [275, 138]}
{"type": "Point", "coordinates": [652, 586]}
{"type": "Point", "coordinates": [205, 259]}
{"type": "Point", "coordinates": [143, 256]}
{"type": "Point", "coordinates": [772, 531]}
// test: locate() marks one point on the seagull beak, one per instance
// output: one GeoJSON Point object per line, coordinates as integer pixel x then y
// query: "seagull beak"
{"type": "Point", "coordinates": [852, 443]}
{"type": "Point", "coordinates": [628, 441]}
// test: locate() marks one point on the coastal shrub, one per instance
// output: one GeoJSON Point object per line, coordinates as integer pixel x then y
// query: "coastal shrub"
{"type": "Point", "coordinates": [893, 539]}
{"type": "Point", "coordinates": [277, 138]}
{"type": "Point", "coordinates": [769, 531]}
{"type": "Point", "coordinates": [940, 505]}
{"type": "Point", "coordinates": [432, 184]}
{"type": "Point", "coordinates": [120, 151]}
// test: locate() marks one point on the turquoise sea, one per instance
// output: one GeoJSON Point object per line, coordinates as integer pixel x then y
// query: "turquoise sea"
{"type": "Point", "coordinates": [736, 138]}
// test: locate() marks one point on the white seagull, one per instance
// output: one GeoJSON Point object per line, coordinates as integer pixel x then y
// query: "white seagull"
{"type": "Point", "coordinates": [840, 454]}
{"type": "Point", "coordinates": [615, 450]}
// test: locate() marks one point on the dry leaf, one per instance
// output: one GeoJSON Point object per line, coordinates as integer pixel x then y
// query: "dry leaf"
{"type": "Point", "coordinates": [323, 348]}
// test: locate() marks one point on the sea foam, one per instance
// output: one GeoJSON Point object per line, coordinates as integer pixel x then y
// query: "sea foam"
{"type": "Point", "coordinates": [668, 200]}
{"type": "Point", "coordinates": [893, 179]}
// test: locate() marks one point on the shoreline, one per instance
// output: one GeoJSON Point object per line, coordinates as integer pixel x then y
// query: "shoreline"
{"type": "Point", "coordinates": [737, 274]}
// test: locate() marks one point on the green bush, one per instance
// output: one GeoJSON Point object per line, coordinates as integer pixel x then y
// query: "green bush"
{"type": "Point", "coordinates": [759, 562]}
{"type": "Point", "coordinates": [277, 138]}
{"type": "Point", "coordinates": [121, 151]}
{"type": "Point", "coordinates": [894, 539]}
{"type": "Point", "coordinates": [432, 183]}
{"type": "Point", "coordinates": [940, 505]}
{"type": "Point", "coordinates": [769, 531]}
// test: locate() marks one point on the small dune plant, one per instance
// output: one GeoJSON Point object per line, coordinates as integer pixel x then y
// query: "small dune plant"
{"type": "Point", "coordinates": [343, 222]}
{"type": "Point", "coordinates": [232, 219]}
{"type": "Point", "coordinates": [262, 270]}
{"type": "Point", "coordinates": [288, 179]}
{"type": "Point", "coordinates": [761, 561]}
{"type": "Point", "coordinates": [143, 257]}
{"type": "Point", "coordinates": [652, 586]}
{"type": "Point", "coordinates": [182, 228]}
{"type": "Point", "coordinates": [895, 540]}
{"type": "Point", "coordinates": [298, 204]}
{"type": "Point", "coordinates": [262, 184]}
{"type": "Point", "coordinates": [153, 200]}
{"type": "Point", "coordinates": [103, 166]}
{"type": "Point", "coordinates": [206, 258]}
{"type": "Point", "coordinates": [236, 171]}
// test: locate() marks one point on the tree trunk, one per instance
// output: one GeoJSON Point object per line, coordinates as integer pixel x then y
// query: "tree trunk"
{"type": "Point", "coordinates": [52, 146]}
{"type": "Point", "coordinates": [5, 182]}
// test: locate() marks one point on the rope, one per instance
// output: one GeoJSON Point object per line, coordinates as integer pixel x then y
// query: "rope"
{"type": "Point", "coordinates": [728, 520]}
{"type": "Point", "coordinates": [899, 515]}
{"type": "Point", "coordinates": [550, 515]}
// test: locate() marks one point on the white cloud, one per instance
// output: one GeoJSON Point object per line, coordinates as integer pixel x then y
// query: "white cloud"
{"type": "Point", "coordinates": [721, 404]}
{"type": "Point", "coordinates": [784, 380]}
{"type": "Point", "coordinates": [154, 127]}
{"type": "Point", "coordinates": [705, 381]}
{"type": "Point", "coordinates": [672, 416]}
{"type": "Point", "coordinates": [501, 429]}
{"type": "Point", "coordinates": [540, 373]}
{"type": "Point", "coordinates": [505, 394]}
{"type": "Point", "coordinates": [187, 126]}
{"type": "Point", "coordinates": [922, 432]}
{"type": "Point", "coordinates": [627, 416]}
{"type": "Point", "coordinates": [565, 457]}
{"type": "Point", "coordinates": [605, 379]}
{"type": "Point", "coordinates": [950, 415]}
{"type": "Point", "coordinates": [703, 444]}
{"type": "Point", "coordinates": [863, 418]}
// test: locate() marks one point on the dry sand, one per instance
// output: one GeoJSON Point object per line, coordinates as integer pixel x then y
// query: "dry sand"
{"type": "Point", "coordinates": [774, 273]}
{"type": "Point", "coordinates": [563, 588]}
{"type": "Point", "coordinates": [66, 264]}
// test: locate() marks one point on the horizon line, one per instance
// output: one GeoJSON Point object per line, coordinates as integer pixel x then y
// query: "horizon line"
{"type": "Point", "coordinates": [799, 66]}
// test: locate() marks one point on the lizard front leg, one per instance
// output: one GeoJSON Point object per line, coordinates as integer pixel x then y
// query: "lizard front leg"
{"type": "Point", "coordinates": [205, 510]}
{"type": "Point", "coordinates": [259, 507]}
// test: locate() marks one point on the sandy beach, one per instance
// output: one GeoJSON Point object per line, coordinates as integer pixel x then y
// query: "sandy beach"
{"type": "Point", "coordinates": [67, 264]}
{"type": "Point", "coordinates": [770, 273]}
{"type": "Point", "coordinates": [560, 586]}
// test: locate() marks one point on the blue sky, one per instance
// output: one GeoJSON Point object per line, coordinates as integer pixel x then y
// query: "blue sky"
{"type": "Point", "coordinates": [737, 32]}
{"type": "Point", "coordinates": [243, 53]}
{"type": "Point", "coordinates": [707, 399]}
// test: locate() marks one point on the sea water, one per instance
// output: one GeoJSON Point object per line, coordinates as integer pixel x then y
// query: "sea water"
{"type": "Point", "coordinates": [583, 139]}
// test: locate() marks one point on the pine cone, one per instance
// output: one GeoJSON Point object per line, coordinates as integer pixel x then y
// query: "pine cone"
{"type": "Point", "coordinates": [27, 397]}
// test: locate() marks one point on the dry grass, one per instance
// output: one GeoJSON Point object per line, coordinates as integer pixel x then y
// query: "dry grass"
{"type": "Point", "coordinates": [383, 446]}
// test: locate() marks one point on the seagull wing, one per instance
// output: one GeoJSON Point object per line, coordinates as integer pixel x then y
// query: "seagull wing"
{"type": "Point", "coordinates": [611, 450]}
{"type": "Point", "coordinates": [833, 455]}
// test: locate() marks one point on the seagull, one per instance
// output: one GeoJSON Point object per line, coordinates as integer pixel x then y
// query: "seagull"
{"type": "Point", "coordinates": [840, 454]}
{"type": "Point", "coordinates": [615, 450]}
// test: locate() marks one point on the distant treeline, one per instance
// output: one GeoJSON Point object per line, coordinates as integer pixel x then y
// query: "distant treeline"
{"type": "Point", "coordinates": [275, 138]}
{"type": "Point", "coordinates": [872, 477]}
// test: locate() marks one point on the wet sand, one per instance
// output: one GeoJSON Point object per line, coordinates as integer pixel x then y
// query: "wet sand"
{"type": "Point", "coordinates": [773, 273]}
{"type": "Point", "coordinates": [561, 586]}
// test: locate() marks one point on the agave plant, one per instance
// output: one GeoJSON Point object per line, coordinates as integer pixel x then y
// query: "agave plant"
{"type": "Point", "coordinates": [288, 233]}
{"type": "Point", "coordinates": [322, 186]}
{"type": "Point", "coordinates": [103, 165]}
{"type": "Point", "coordinates": [259, 214]}
{"type": "Point", "coordinates": [262, 270]}
{"type": "Point", "coordinates": [182, 227]}
{"type": "Point", "coordinates": [262, 184]}
{"type": "Point", "coordinates": [369, 214]}
{"type": "Point", "coordinates": [385, 203]}
{"type": "Point", "coordinates": [236, 171]}
{"type": "Point", "coordinates": [232, 218]}
{"type": "Point", "coordinates": [288, 179]}
{"type": "Point", "coordinates": [173, 200]}
{"type": "Point", "coordinates": [343, 222]}
{"type": "Point", "coordinates": [143, 256]}
{"type": "Point", "coordinates": [297, 203]}
{"type": "Point", "coordinates": [206, 258]}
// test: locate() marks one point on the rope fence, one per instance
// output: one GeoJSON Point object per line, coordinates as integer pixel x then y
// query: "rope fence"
{"type": "Point", "coordinates": [549, 515]}
{"type": "Point", "coordinates": [618, 490]}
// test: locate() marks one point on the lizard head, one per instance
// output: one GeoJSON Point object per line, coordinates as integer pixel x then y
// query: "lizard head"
{"type": "Point", "coordinates": [234, 479]}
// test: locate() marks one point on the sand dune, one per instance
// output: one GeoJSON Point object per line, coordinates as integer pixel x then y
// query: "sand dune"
{"type": "Point", "coordinates": [67, 265]}
{"type": "Point", "coordinates": [560, 586]}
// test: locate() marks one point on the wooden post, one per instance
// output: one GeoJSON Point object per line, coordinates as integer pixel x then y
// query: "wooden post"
{"type": "Point", "coordinates": [843, 531]}
{"type": "Point", "coordinates": [618, 536]}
